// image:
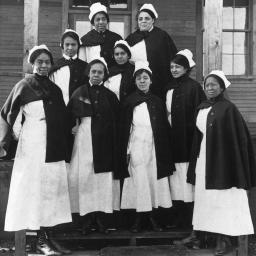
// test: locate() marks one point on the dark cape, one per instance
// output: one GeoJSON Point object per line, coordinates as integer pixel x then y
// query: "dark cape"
{"type": "Point", "coordinates": [34, 88]}
{"type": "Point", "coordinates": [230, 160]}
{"type": "Point", "coordinates": [77, 69]}
{"type": "Point", "coordinates": [103, 107]}
{"type": "Point", "coordinates": [160, 50]}
{"type": "Point", "coordinates": [159, 124]}
{"type": "Point", "coordinates": [187, 95]}
{"type": "Point", "coordinates": [106, 40]}
{"type": "Point", "coordinates": [127, 85]}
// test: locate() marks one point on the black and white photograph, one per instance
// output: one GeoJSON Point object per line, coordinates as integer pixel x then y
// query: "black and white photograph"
{"type": "Point", "coordinates": [128, 127]}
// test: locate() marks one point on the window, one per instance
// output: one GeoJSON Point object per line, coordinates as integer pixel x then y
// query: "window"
{"type": "Point", "coordinates": [236, 33]}
{"type": "Point", "coordinates": [115, 4]}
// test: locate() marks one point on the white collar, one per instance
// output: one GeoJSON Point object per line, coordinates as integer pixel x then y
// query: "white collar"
{"type": "Point", "coordinates": [93, 84]}
{"type": "Point", "coordinates": [68, 58]}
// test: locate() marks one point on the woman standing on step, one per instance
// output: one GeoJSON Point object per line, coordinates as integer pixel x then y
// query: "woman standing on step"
{"type": "Point", "coordinates": [182, 99]}
{"type": "Point", "coordinates": [69, 71]}
{"type": "Point", "coordinates": [98, 42]}
{"type": "Point", "coordinates": [152, 44]}
{"type": "Point", "coordinates": [120, 80]}
{"type": "Point", "coordinates": [93, 167]}
{"type": "Point", "coordinates": [222, 166]}
{"type": "Point", "coordinates": [38, 194]}
{"type": "Point", "coordinates": [146, 160]}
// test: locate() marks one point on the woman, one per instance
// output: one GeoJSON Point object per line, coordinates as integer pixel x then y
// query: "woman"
{"type": "Point", "coordinates": [150, 43]}
{"type": "Point", "coordinates": [68, 71]}
{"type": "Point", "coordinates": [146, 159]}
{"type": "Point", "coordinates": [99, 42]}
{"type": "Point", "coordinates": [38, 194]}
{"type": "Point", "coordinates": [120, 79]}
{"type": "Point", "coordinates": [93, 165]}
{"type": "Point", "coordinates": [222, 166]}
{"type": "Point", "coordinates": [182, 99]}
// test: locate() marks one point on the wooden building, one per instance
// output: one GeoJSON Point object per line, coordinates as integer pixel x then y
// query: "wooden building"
{"type": "Point", "coordinates": [218, 41]}
{"type": "Point", "coordinates": [220, 33]}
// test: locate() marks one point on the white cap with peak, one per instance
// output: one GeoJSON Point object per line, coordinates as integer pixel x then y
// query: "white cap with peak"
{"type": "Point", "coordinates": [221, 75]}
{"type": "Point", "coordinates": [189, 55]}
{"type": "Point", "coordinates": [149, 7]}
{"type": "Point", "coordinates": [35, 48]}
{"type": "Point", "coordinates": [142, 65]}
{"type": "Point", "coordinates": [95, 8]}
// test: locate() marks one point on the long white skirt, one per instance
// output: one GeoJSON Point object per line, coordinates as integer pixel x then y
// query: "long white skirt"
{"type": "Point", "coordinates": [38, 195]}
{"type": "Point", "coordinates": [219, 211]}
{"type": "Point", "coordinates": [142, 190]}
{"type": "Point", "coordinates": [180, 189]}
{"type": "Point", "coordinates": [90, 191]}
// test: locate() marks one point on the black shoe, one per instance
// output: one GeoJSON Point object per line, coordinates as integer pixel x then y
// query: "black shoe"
{"type": "Point", "coordinates": [155, 225]}
{"type": "Point", "coordinates": [101, 227]}
{"type": "Point", "coordinates": [59, 247]}
{"type": "Point", "coordinates": [136, 227]}
{"type": "Point", "coordinates": [87, 224]}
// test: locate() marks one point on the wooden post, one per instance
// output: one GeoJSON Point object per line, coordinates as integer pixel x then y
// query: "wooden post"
{"type": "Point", "coordinates": [213, 34]}
{"type": "Point", "coordinates": [20, 243]}
{"type": "Point", "coordinates": [134, 13]}
{"type": "Point", "coordinates": [242, 246]}
{"type": "Point", "coordinates": [254, 39]}
{"type": "Point", "coordinates": [65, 8]}
{"type": "Point", "coordinates": [199, 40]}
{"type": "Point", "coordinates": [31, 17]}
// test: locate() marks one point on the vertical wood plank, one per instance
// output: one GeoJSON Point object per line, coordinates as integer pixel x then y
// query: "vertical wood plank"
{"type": "Point", "coordinates": [31, 17]}
{"type": "Point", "coordinates": [199, 40]}
{"type": "Point", "coordinates": [213, 34]}
{"type": "Point", "coordinates": [243, 246]}
{"type": "Point", "coordinates": [20, 243]}
{"type": "Point", "coordinates": [134, 13]}
{"type": "Point", "coordinates": [65, 8]}
{"type": "Point", "coordinates": [253, 45]}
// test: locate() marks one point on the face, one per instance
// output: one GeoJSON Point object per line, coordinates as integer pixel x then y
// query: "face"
{"type": "Point", "coordinates": [143, 82]}
{"type": "Point", "coordinates": [145, 21]}
{"type": "Point", "coordinates": [42, 64]}
{"type": "Point", "coordinates": [96, 74]}
{"type": "Point", "coordinates": [100, 22]}
{"type": "Point", "coordinates": [177, 70]}
{"type": "Point", "coordinates": [212, 88]}
{"type": "Point", "coordinates": [70, 46]}
{"type": "Point", "coordinates": [120, 55]}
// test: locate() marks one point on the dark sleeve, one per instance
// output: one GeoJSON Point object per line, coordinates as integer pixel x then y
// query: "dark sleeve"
{"type": "Point", "coordinates": [8, 116]}
{"type": "Point", "coordinates": [242, 147]}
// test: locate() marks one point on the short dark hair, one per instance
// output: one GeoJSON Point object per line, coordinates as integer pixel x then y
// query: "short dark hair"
{"type": "Point", "coordinates": [72, 35]}
{"type": "Point", "coordinates": [37, 52]}
{"type": "Point", "coordinates": [149, 12]}
{"type": "Point", "coordinates": [181, 60]}
{"type": "Point", "coordinates": [90, 64]}
{"type": "Point", "coordinates": [140, 71]}
{"type": "Point", "coordinates": [92, 20]}
{"type": "Point", "coordinates": [125, 48]}
{"type": "Point", "coordinates": [220, 81]}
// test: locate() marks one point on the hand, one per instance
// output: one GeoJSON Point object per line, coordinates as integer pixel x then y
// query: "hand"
{"type": "Point", "coordinates": [2, 152]}
{"type": "Point", "coordinates": [128, 157]}
{"type": "Point", "coordinates": [74, 129]}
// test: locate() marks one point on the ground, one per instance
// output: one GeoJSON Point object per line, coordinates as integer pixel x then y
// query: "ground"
{"type": "Point", "coordinates": [155, 250]}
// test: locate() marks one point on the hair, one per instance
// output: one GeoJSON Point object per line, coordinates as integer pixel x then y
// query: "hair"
{"type": "Point", "coordinates": [219, 80]}
{"type": "Point", "coordinates": [92, 20]}
{"type": "Point", "coordinates": [125, 48]}
{"type": "Point", "coordinates": [38, 52]}
{"type": "Point", "coordinates": [140, 71]}
{"type": "Point", "coordinates": [69, 34]}
{"type": "Point", "coordinates": [149, 12]}
{"type": "Point", "coordinates": [88, 68]}
{"type": "Point", "coordinates": [182, 61]}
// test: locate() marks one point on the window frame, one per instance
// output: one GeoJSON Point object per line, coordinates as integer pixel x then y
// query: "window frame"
{"type": "Point", "coordinates": [249, 33]}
